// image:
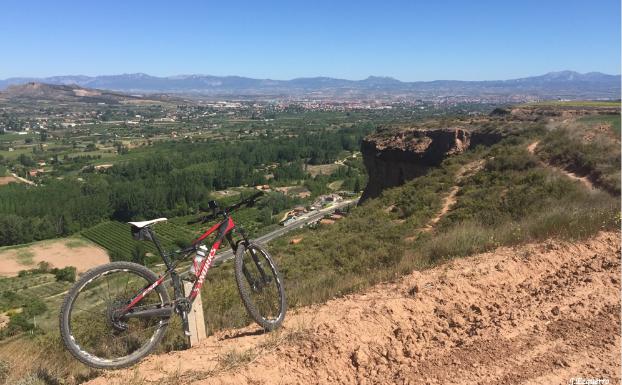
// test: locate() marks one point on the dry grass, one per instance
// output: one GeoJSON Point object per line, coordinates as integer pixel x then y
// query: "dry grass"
{"type": "Point", "coordinates": [41, 359]}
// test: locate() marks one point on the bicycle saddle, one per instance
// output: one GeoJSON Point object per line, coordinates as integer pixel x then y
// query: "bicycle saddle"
{"type": "Point", "coordinates": [142, 224]}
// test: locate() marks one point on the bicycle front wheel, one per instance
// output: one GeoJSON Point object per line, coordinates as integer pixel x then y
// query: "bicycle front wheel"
{"type": "Point", "coordinates": [260, 285]}
{"type": "Point", "coordinates": [91, 327]}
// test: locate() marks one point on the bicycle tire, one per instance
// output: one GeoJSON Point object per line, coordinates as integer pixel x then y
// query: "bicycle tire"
{"type": "Point", "coordinates": [249, 304]}
{"type": "Point", "coordinates": [66, 310]}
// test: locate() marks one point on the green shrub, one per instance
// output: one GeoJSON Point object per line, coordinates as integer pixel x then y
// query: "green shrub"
{"type": "Point", "coordinates": [34, 307]}
{"type": "Point", "coordinates": [67, 274]}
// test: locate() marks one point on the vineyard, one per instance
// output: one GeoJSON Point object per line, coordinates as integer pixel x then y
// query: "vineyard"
{"type": "Point", "coordinates": [46, 290]}
{"type": "Point", "coordinates": [117, 239]}
{"type": "Point", "coordinates": [14, 284]}
{"type": "Point", "coordinates": [16, 291]}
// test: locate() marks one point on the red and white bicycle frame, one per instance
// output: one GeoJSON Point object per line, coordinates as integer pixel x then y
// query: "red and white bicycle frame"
{"type": "Point", "coordinates": [225, 227]}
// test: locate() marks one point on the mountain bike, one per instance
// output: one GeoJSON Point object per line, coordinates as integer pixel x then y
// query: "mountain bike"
{"type": "Point", "coordinates": [117, 313]}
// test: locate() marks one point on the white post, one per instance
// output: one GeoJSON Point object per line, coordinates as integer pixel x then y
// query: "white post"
{"type": "Point", "coordinates": [196, 322]}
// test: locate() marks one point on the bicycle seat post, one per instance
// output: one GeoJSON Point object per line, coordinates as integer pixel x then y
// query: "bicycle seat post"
{"type": "Point", "coordinates": [158, 246]}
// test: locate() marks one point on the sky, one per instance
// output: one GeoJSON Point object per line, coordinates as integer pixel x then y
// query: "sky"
{"type": "Point", "coordinates": [408, 40]}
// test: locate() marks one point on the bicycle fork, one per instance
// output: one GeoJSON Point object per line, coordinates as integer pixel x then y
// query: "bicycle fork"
{"type": "Point", "coordinates": [256, 285]}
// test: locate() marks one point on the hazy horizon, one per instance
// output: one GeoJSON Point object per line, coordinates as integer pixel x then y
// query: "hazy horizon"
{"type": "Point", "coordinates": [304, 77]}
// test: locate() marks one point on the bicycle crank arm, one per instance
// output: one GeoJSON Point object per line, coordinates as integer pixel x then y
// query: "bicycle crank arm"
{"type": "Point", "coordinates": [164, 312]}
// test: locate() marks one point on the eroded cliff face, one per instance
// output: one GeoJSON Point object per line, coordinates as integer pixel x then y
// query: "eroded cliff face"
{"type": "Point", "coordinates": [392, 159]}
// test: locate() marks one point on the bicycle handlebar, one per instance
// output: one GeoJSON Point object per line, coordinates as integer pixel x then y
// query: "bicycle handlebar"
{"type": "Point", "coordinates": [250, 201]}
{"type": "Point", "coordinates": [201, 219]}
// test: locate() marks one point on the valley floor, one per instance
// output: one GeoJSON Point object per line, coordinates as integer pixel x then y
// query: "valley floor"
{"type": "Point", "coordinates": [534, 314]}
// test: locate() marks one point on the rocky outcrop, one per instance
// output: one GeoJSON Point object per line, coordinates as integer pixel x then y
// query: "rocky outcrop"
{"type": "Point", "coordinates": [396, 157]}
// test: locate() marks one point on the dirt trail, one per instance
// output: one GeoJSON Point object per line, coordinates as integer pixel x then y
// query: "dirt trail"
{"type": "Point", "coordinates": [535, 314]}
{"type": "Point", "coordinates": [24, 180]}
{"type": "Point", "coordinates": [450, 199]}
{"type": "Point", "coordinates": [584, 180]}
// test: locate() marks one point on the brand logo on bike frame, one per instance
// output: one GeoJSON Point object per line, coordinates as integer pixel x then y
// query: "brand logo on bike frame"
{"type": "Point", "coordinates": [144, 293]}
{"type": "Point", "coordinates": [207, 263]}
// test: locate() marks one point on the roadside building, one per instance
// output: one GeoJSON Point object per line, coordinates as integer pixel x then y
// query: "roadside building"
{"type": "Point", "coordinates": [288, 221]}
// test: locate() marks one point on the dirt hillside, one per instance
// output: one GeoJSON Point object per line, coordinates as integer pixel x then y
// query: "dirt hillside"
{"type": "Point", "coordinates": [534, 314]}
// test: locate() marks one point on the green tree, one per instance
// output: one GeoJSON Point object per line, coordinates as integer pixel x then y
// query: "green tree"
{"type": "Point", "coordinates": [26, 160]}
{"type": "Point", "coordinates": [34, 307]}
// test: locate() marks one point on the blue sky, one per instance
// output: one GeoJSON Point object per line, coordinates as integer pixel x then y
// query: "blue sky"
{"type": "Point", "coordinates": [408, 40]}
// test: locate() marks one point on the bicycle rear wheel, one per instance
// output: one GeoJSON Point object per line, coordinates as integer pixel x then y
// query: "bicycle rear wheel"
{"type": "Point", "coordinates": [260, 285]}
{"type": "Point", "coordinates": [91, 327]}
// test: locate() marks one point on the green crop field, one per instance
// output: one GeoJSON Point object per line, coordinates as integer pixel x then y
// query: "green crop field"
{"type": "Point", "coordinates": [19, 283]}
{"type": "Point", "coordinates": [613, 120]}
{"type": "Point", "coordinates": [46, 290]}
{"type": "Point", "coordinates": [575, 103]}
{"type": "Point", "coordinates": [15, 137]}
{"type": "Point", "coordinates": [116, 237]}
{"type": "Point", "coordinates": [16, 291]}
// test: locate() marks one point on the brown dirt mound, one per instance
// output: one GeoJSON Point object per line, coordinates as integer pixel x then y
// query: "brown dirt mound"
{"type": "Point", "coordinates": [535, 314]}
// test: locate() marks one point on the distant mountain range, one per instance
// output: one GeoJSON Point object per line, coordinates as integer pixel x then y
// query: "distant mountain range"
{"type": "Point", "coordinates": [72, 93]}
{"type": "Point", "coordinates": [564, 84]}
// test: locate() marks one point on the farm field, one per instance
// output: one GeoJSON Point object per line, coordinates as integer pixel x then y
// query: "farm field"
{"type": "Point", "coordinates": [613, 121]}
{"type": "Point", "coordinates": [117, 239]}
{"type": "Point", "coordinates": [59, 253]}
{"type": "Point", "coordinates": [322, 169]}
{"type": "Point", "coordinates": [576, 103]}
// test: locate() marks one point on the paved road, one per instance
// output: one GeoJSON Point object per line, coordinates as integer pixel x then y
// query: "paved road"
{"type": "Point", "coordinates": [298, 223]}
